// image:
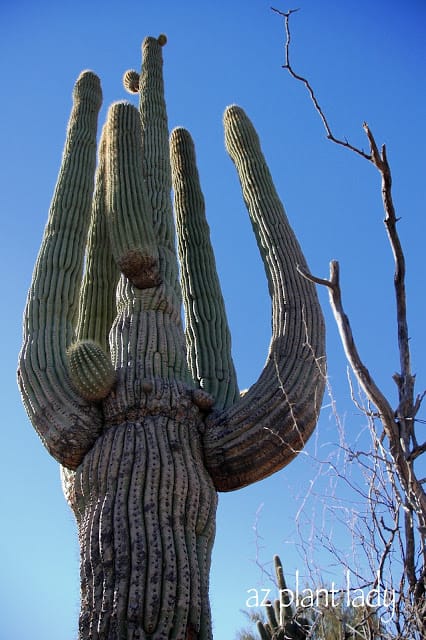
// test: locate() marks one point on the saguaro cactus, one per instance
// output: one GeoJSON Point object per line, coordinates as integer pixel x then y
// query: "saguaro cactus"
{"type": "Point", "coordinates": [143, 415]}
{"type": "Point", "coordinates": [284, 622]}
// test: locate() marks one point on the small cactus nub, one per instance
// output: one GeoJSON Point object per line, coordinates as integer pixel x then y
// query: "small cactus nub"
{"type": "Point", "coordinates": [131, 81]}
{"type": "Point", "coordinates": [90, 370]}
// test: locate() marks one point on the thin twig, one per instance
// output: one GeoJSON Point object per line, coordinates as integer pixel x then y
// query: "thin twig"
{"type": "Point", "coordinates": [344, 143]}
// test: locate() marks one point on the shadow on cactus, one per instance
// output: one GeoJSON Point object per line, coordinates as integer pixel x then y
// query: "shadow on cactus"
{"type": "Point", "coordinates": [144, 415]}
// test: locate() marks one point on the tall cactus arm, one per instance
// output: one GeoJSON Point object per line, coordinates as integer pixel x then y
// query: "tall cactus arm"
{"type": "Point", "coordinates": [269, 425]}
{"type": "Point", "coordinates": [149, 84]}
{"type": "Point", "coordinates": [67, 424]}
{"type": "Point", "coordinates": [97, 307]}
{"type": "Point", "coordinates": [147, 338]}
{"type": "Point", "coordinates": [155, 139]}
{"type": "Point", "coordinates": [129, 211]}
{"type": "Point", "coordinates": [155, 142]}
{"type": "Point", "coordinates": [207, 332]}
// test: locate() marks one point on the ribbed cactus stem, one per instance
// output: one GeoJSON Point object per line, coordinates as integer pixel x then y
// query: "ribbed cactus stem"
{"type": "Point", "coordinates": [97, 303]}
{"type": "Point", "coordinates": [295, 308]}
{"type": "Point", "coordinates": [155, 143]}
{"type": "Point", "coordinates": [263, 633]}
{"type": "Point", "coordinates": [207, 333]}
{"type": "Point", "coordinates": [65, 422]}
{"type": "Point", "coordinates": [283, 622]}
{"type": "Point", "coordinates": [287, 396]}
{"type": "Point", "coordinates": [146, 513]}
{"type": "Point", "coordinates": [286, 609]}
{"type": "Point", "coordinates": [129, 211]}
{"type": "Point", "coordinates": [147, 339]}
{"type": "Point", "coordinates": [270, 614]}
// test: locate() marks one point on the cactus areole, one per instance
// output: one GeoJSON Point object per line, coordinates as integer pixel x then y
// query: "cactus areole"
{"type": "Point", "coordinates": [143, 414]}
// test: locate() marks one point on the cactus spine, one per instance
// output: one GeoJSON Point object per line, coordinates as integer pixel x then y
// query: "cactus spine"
{"type": "Point", "coordinates": [144, 416]}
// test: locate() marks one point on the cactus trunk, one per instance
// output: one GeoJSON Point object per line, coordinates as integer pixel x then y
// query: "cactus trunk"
{"type": "Point", "coordinates": [145, 508]}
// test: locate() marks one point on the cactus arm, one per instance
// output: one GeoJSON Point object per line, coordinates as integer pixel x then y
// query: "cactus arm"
{"type": "Point", "coordinates": [66, 423]}
{"type": "Point", "coordinates": [263, 631]}
{"type": "Point", "coordinates": [207, 332]}
{"type": "Point", "coordinates": [267, 427]}
{"type": "Point", "coordinates": [285, 608]}
{"type": "Point", "coordinates": [97, 307]}
{"type": "Point", "coordinates": [147, 337]}
{"type": "Point", "coordinates": [129, 216]}
{"type": "Point", "coordinates": [157, 171]}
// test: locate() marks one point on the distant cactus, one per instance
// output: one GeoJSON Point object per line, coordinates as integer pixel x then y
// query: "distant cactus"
{"type": "Point", "coordinates": [283, 621]}
{"type": "Point", "coordinates": [145, 417]}
{"type": "Point", "coordinates": [321, 619]}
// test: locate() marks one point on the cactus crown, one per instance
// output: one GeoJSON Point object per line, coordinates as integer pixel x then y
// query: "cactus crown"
{"type": "Point", "coordinates": [94, 341]}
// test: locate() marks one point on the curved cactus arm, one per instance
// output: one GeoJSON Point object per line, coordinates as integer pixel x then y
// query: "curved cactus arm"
{"type": "Point", "coordinates": [97, 307]}
{"type": "Point", "coordinates": [207, 333]}
{"type": "Point", "coordinates": [267, 427]}
{"type": "Point", "coordinates": [67, 424]}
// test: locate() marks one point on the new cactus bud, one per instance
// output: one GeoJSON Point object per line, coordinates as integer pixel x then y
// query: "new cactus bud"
{"type": "Point", "coordinates": [90, 370]}
{"type": "Point", "coordinates": [131, 81]}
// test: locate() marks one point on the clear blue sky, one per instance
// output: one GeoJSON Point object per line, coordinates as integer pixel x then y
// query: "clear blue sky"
{"type": "Point", "coordinates": [367, 61]}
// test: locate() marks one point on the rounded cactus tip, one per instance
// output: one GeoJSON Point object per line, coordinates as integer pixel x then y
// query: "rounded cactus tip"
{"type": "Point", "coordinates": [90, 370]}
{"type": "Point", "coordinates": [131, 81]}
{"type": "Point", "coordinates": [179, 133]}
{"type": "Point", "coordinates": [88, 85]}
{"type": "Point", "coordinates": [180, 138]}
{"type": "Point", "coordinates": [233, 111]}
{"type": "Point", "coordinates": [162, 39]}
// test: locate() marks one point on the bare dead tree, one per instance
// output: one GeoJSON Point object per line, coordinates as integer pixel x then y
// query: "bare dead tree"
{"type": "Point", "coordinates": [393, 524]}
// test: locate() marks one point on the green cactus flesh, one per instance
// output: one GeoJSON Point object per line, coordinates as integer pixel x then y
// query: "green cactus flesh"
{"type": "Point", "coordinates": [144, 415]}
{"type": "Point", "coordinates": [90, 370]}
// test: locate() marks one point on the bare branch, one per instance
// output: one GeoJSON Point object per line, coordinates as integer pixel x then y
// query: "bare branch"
{"type": "Point", "coordinates": [379, 158]}
{"type": "Point", "coordinates": [397, 448]}
{"type": "Point", "coordinates": [415, 453]}
{"type": "Point", "coordinates": [344, 143]}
